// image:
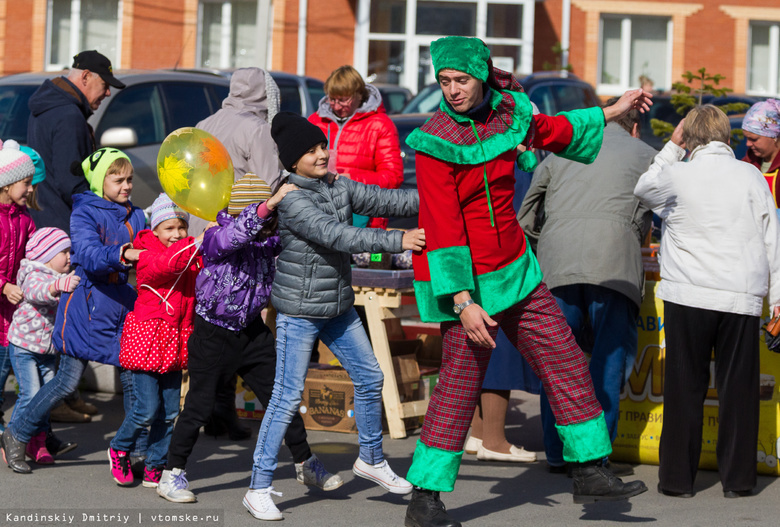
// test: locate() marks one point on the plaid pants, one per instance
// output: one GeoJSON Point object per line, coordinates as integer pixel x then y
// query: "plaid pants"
{"type": "Point", "coordinates": [538, 329]}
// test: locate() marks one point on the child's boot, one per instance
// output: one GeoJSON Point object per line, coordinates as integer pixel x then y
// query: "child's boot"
{"type": "Point", "coordinates": [36, 450]}
{"type": "Point", "coordinates": [173, 486]}
{"type": "Point", "coordinates": [120, 467]}
{"type": "Point", "coordinates": [152, 477]}
{"type": "Point", "coordinates": [312, 472]}
{"type": "Point", "coordinates": [56, 447]}
{"type": "Point", "coordinates": [13, 453]}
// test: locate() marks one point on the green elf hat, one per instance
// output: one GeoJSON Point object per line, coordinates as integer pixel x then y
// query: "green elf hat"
{"type": "Point", "coordinates": [96, 165]}
{"type": "Point", "coordinates": [469, 55]}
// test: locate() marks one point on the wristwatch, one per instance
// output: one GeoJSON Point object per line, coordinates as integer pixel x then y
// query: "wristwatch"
{"type": "Point", "coordinates": [458, 308]}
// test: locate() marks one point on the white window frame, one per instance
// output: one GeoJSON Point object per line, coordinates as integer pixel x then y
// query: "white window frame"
{"type": "Point", "coordinates": [75, 35]}
{"type": "Point", "coordinates": [625, 54]}
{"type": "Point", "coordinates": [413, 41]}
{"type": "Point", "coordinates": [262, 30]}
{"type": "Point", "coordinates": [774, 57]}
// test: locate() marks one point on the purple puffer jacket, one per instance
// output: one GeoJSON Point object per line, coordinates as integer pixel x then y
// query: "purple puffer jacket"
{"type": "Point", "coordinates": [238, 270]}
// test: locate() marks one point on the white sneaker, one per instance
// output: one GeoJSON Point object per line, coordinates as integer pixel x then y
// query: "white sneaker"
{"type": "Point", "coordinates": [260, 505]}
{"type": "Point", "coordinates": [383, 476]}
{"type": "Point", "coordinates": [173, 487]}
{"type": "Point", "coordinates": [516, 455]}
{"type": "Point", "coordinates": [472, 445]}
{"type": "Point", "coordinates": [312, 472]}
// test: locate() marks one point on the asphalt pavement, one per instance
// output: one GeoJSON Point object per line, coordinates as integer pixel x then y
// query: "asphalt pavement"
{"type": "Point", "coordinates": [78, 489]}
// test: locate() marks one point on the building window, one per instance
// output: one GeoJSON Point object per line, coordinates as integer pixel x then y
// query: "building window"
{"type": "Point", "coordinates": [632, 46]}
{"type": "Point", "coordinates": [764, 50]}
{"type": "Point", "coordinates": [227, 34]}
{"type": "Point", "coordinates": [393, 44]}
{"type": "Point", "coordinates": [78, 25]}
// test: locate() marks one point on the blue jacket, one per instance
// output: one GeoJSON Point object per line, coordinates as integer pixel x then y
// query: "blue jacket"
{"type": "Point", "coordinates": [59, 132]}
{"type": "Point", "coordinates": [89, 321]}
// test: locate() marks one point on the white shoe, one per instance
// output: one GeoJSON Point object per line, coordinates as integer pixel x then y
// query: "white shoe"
{"type": "Point", "coordinates": [383, 476]}
{"type": "Point", "coordinates": [312, 472]}
{"type": "Point", "coordinates": [472, 445]}
{"type": "Point", "coordinates": [516, 455]}
{"type": "Point", "coordinates": [260, 505]}
{"type": "Point", "coordinates": [173, 487]}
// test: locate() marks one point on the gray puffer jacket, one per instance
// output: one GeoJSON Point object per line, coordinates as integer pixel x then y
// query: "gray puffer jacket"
{"type": "Point", "coordinates": [313, 272]}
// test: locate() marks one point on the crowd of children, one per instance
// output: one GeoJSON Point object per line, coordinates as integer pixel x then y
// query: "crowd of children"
{"type": "Point", "coordinates": [197, 305]}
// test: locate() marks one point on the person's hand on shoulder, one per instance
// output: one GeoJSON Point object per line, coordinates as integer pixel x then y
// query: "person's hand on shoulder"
{"type": "Point", "coordinates": [414, 240]}
{"type": "Point", "coordinates": [274, 201]}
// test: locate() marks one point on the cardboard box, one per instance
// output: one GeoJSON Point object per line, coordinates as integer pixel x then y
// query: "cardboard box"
{"type": "Point", "coordinates": [247, 404]}
{"type": "Point", "coordinates": [430, 351]}
{"type": "Point", "coordinates": [328, 401]}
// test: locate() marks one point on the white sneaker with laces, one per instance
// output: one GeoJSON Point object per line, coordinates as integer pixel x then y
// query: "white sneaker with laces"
{"type": "Point", "coordinates": [173, 486]}
{"type": "Point", "coordinates": [312, 472]}
{"type": "Point", "coordinates": [382, 475]}
{"type": "Point", "coordinates": [260, 505]}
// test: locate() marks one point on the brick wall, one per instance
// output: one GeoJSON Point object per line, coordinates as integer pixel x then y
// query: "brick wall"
{"type": "Point", "coordinates": [158, 39]}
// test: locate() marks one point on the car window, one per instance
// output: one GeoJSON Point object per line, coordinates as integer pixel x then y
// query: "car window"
{"type": "Point", "coordinates": [187, 102]}
{"type": "Point", "coordinates": [543, 98]}
{"type": "Point", "coordinates": [316, 91]}
{"type": "Point", "coordinates": [569, 97]}
{"type": "Point", "coordinates": [426, 101]}
{"type": "Point", "coordinates": [393, 101]}
{"type": "Point", "coordinates": [290, 96]}
{"type": "Point", "coordinates": [138, 107]}
{"type": "Point", "coordinates": [14, 112]}
{"type": "Point", "coordinates": [218, 94]}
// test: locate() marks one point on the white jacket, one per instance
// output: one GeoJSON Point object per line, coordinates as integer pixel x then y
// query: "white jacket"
{"type": "Point", "coordinates": [719, 245]}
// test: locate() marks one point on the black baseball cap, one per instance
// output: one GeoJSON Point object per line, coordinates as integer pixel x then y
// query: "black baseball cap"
{"type": "Point", "coordinates": [96, 63]}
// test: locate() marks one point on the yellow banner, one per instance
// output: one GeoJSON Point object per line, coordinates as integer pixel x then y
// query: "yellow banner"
{"type": "Point", "coordinates": [641, 405]}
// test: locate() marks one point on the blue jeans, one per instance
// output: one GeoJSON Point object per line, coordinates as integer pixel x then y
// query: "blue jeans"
{"type": "Point", "coordinates": [5, 370]}
{"type": "Point", "coordinates": [347, 339]}
{"type": "Point", "coordinates": [156, 404]}
{"type": "Point", "coordinates": [611, 318]}
{"type": "Point", "coordinates": [35, 416]}
{"type": "Point", "coordinates": [128, 402]}
{"type": "Point", "coordinates": [32, 371]}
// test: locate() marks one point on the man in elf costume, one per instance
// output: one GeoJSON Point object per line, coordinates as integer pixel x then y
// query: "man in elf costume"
{"type": "Point", "coordinates": [476, 274]}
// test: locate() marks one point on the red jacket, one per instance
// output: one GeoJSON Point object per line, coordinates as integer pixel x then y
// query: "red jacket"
{"type": "Point", "coordinates": [366, 144]}
{"type": "Point", "coordinates": [16, 227]}
{"type": "Point", "coordinates": [157, 272]}
{"type": "Point", "coordinates": [772, 175]}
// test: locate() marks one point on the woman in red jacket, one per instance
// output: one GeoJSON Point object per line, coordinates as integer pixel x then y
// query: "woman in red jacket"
{"type": "Point", "coordinates": [362, 140]}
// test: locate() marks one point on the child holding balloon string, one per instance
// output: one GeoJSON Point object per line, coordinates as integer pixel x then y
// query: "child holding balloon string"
{"type": "Point", "coordinates": [229, 335]}
{"type": "Point", "coordinates": [154, 339]}
{"type": "Point", "coordinates": [89, 321]}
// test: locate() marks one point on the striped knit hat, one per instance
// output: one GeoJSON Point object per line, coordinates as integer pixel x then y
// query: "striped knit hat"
{"type": "Point", "coordinates": [165, 209]}
{"type": "Point", "coordinates": [45, 244]}
{"type": "Point", "coordinates": [247, 190]}
{"type": "Point", "coordinates": [14, 165]}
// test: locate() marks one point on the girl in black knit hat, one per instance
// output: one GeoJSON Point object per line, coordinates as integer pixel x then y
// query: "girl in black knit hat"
{"type": "Point", "coordinates": [313, 296]}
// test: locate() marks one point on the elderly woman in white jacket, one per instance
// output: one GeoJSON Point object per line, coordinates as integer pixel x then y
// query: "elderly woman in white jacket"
{"type": "Point", "coordinates": [719, 258]}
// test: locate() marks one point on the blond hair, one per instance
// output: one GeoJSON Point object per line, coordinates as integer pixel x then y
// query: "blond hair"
{"type": "Point", "coordinates": [704, 124]}
{"type": "Point", "coordinates": [346, 82]}
{"type": "Point", "coordinates": [119, 166]}
{"type": "Point", "coordinates": [32, 199]}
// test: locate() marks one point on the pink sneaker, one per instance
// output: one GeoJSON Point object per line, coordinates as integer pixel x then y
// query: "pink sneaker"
{"type": "Point", "coordinates": [152, 477]}
{"type": "Point", "coordinates": [36, 450]}
{"type": "Point", "coordinates": [120, 467]}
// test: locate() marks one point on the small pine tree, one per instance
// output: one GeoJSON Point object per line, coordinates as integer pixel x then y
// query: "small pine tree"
{"type": "Point", "coordinates": [557, 50]}
{"type": "Point", "coordinates": [690, 93]}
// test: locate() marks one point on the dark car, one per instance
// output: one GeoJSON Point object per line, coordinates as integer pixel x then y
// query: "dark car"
{"type": "Point", "coordinates": [394, 97]}
{"type": "Point", "coordinates": [551, 92]}
{"type": "Point", "coordinates": [663, 110]}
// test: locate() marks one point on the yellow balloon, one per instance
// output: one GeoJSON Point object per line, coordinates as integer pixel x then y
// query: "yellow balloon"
{"type": "Point", "coordinates": [196, 172]}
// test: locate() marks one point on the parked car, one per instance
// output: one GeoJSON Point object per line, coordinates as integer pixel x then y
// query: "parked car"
{"type": "Point", "coordinates": [394, 97]}
{"type": "Point", "coordinates": [551, 92]}
{"type": "Point", "coordinates": [139, 117]}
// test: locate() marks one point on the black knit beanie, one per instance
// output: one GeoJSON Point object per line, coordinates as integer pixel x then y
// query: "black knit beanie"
{"type": "Point", "coordinates": [294, 135]}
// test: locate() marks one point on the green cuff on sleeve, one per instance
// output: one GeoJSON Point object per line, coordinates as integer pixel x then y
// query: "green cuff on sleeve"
{"type": "Point", "coordinates": [451, 270]}
{"type": "Point", "coordinates": [433, 468]}
{"type": "Point", "coordinates": [588, 127]}
{"type": "Point", "coordinates": [585, 441]}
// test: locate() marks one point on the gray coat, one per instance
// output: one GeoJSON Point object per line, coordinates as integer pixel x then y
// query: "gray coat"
{"type": "Point", "coordinates": [313, 272]}
{"type": "Point", "coordinates": [593, 225]}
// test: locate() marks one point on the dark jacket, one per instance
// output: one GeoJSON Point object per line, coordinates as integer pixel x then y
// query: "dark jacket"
{"type": "Point", "coordinates": [89, 320]}
{"type": "Point", "coordinates": [59, 132]}
{"type": "Point", "coordinates": [314, 275]}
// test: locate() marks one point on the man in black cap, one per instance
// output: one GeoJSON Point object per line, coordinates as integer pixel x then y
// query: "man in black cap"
{"type": "Point", "coordinates": [59, 132]}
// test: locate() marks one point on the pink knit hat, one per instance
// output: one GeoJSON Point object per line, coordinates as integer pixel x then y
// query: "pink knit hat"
{"type": "Point", "coordinates": [14, 165]}
{"type": "Point", "coordinates": [45, 244]}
